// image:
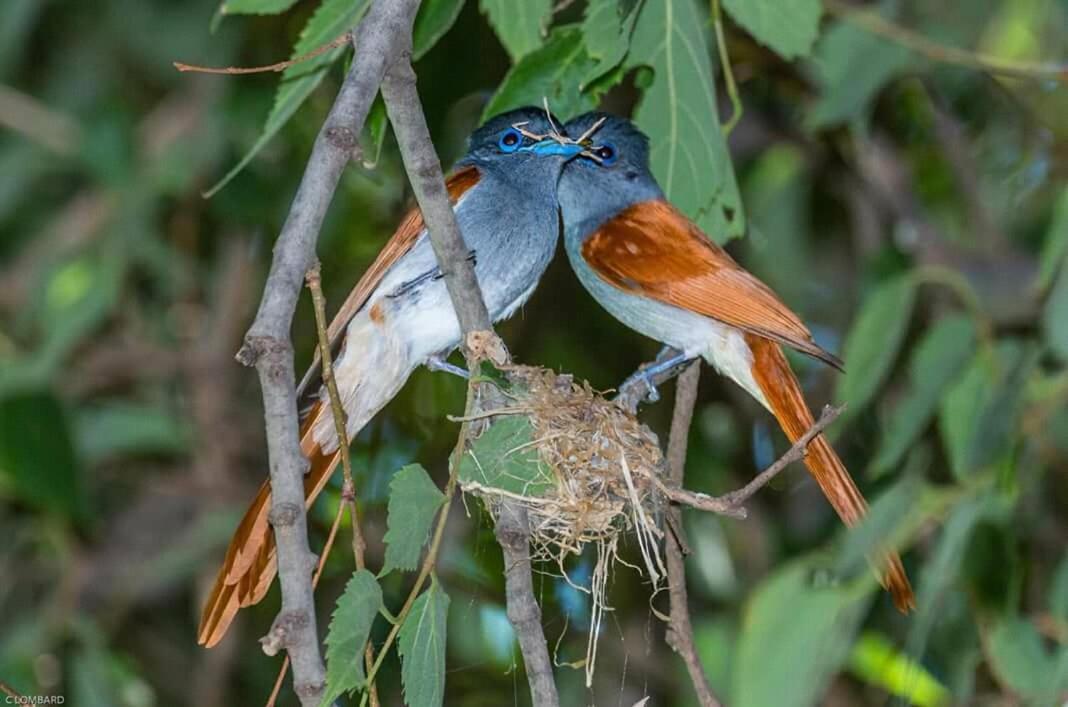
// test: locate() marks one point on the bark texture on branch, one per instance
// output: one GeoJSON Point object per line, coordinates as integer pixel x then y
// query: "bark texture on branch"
{"type": "Point", "coordinates": [680, 629]}
{"type": "Point", "coordinates": [386, 27]}
{"type": "Point", "coordinates": [513, 535]}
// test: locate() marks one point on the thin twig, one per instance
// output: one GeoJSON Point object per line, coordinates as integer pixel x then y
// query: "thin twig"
{"type": "Point", "coordinates": [348, 489]}
{"type": "Point", "coordinates": [420, 159]}
{"type": "Point", "coordinates": [877, 24]}
{"type": "Point", "coordinates": [276, 67]}
{"type": "Point", "coordinates": [439, 529]}
{"type": "Point", "coordinates": [680, 629]}
{"type": "Point", "coordinates": [381, 37]}
{"type": "Point", "coordinates": [728, 74]}
{"type": "Point", "coordinates": [730, 504]}
{"type": "Point", "coordinates": [43, 124]}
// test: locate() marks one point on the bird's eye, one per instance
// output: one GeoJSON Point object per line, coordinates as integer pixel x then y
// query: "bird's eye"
{"type": "Point", "coordinates": [606, 153]}
{"type": "Point", "coordinates": [510, 140]}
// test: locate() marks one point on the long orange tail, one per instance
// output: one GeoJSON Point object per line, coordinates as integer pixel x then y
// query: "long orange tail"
{"type": "Point", "coordinates": [783, 394]}
{"type": "Point", "coordinates": [250, 564]}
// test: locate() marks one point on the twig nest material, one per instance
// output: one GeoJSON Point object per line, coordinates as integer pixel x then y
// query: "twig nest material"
{"type": "Point", "coordinates": [582, 467]}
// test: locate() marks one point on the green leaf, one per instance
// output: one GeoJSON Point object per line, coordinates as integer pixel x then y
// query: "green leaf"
{"type": "Point", "coordinates": [890, 513]}
{"type": "Point", "coordinates": [553, 71]}
{"type": "Point", "coordinates": [349, 628]}
{"type": "Point", "coordinates": [677, 111]}
{"type": "Point", "coordinates": [787, 26]}
{"type": "Point", "coordinates": [1058, 592]}
{"type": "Point", "coordinates": [421, 644]}
{"type": "Point", "coordinates": [874, 340]}
{"type": "Point", "coordinates": [37, 455]}
{"type": "Point", "coordinates": [298, 81]}
{"type": "Point", "coordinates": [119, 428]}
{"type": "Point", "coordinates": [607, 35]}
{"type": "Point", "coordinates": [940, 573]}
{"type": "Point", "coordinates": [1018, 658]}
{"type": "Point", "coordinates": [256, 7]}
{"type": "Point", "coordinates": [413, 500]}
{"type": "Point", "coordinates": [936, 362]}
{"type": "Point", "coordinates": [374, 133]}
{"type": "Point", "coordinates": [1055, 247]}
{"type": "Point", "coordinates": [846, 91]}
{"type": "Point", "coordinates": [794, 638]}
{"type": "Point", "coordinates": [980, 410]}
{"type": "Point", "coordinates": [876, 661]}
{"type": "Point", "coordinates": [1055, 317]}
{"type": "Point", "coordinates": [518, 24]}
{"type": "Point", "coordinates": [434, 19]}
{"type": "Point", "coordinates": [503, 458]}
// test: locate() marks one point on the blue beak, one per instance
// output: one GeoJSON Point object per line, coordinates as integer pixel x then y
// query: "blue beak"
{"type": "Point", "coordinates": [549, 146]}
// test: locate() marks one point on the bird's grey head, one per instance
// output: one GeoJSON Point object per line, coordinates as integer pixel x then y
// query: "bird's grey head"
{"type": "Point", "coordinates": [520, 143]}
{"type": "Point", "coordinates": [611, 175]}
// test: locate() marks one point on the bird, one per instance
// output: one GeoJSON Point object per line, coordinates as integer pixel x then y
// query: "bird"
{"type": "Point", "coordinates": [652, 268]}
{"type": "Point", "coordinates": [399, 317]}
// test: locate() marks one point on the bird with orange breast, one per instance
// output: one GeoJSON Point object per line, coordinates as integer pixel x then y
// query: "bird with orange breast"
{"type": "Point", "coordinates": [655, 271]}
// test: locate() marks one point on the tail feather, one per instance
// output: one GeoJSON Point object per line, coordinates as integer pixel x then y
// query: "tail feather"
{"type": "Point", "coordinates": [783, 395]}
{"type": "Point", "coordinates": [250, 565]}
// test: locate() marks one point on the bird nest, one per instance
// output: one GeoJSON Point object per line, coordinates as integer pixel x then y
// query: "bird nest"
{"type": "Point", "coordinates": [584, 470]}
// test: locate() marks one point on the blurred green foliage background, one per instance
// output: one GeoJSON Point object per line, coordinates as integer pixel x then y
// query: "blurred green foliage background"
{"type": "Point", "coordinates": [915, 213]}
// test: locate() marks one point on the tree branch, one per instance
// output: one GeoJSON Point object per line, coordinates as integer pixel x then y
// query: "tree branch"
{"type": "Point", "coordinates": [385, 29]}
{"type": "Point", "coordinates": [680, 629]}
{"type": "Point", "coordinates": [513, 535]}
{"type": "Point", "coordinates": [731, 504]}
{"type": "Point", "coordinates": [424, 170]}
{"type": "Point", "coordinates": [421, 162]}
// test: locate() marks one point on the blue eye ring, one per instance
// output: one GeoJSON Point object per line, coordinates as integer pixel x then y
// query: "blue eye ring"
{"type": "Point", "coordinates": [511, 140]}
{"type": "Point", "coordinates": [606, 152]}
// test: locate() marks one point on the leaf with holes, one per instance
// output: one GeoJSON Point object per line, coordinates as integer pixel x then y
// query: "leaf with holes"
{"type": "Point", "coordinates": [413, 500]}
{"type": "Point", "coordinates": [298, 81]}
{"type": "Point", "coordinates": [349, 628]}
{"type": "Point", "coordinates": [688, 153]}
{"type": "Point", "coordinates": [518, 24]}
{"type": "Point", "coordinates": [421, 644]}
{"type": "Point", "coordinates": [789, 27]}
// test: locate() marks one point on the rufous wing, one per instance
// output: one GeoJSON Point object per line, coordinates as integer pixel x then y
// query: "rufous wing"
{"type": "Point", "coordinates": [652, 249]}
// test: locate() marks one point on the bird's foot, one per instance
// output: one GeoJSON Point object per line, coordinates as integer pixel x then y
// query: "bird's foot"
{"type": "Point", "coordinates": [641, 385]}
{"type": "Point", "coordinates": [437, 362]}
{"type": "Point", "coordinates": [645, 380]}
